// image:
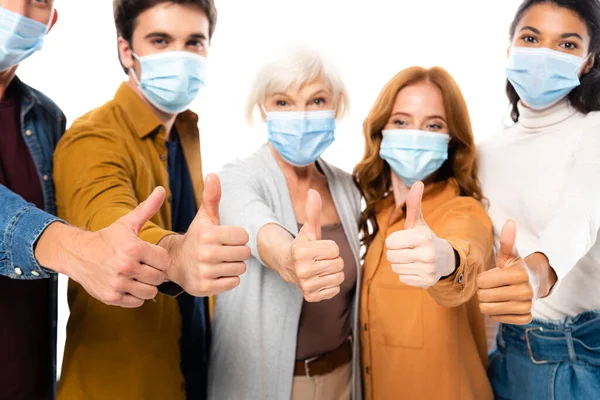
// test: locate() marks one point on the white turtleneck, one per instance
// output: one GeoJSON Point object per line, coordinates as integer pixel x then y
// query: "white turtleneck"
{"type": "Point", "coordinates": [544, 172]}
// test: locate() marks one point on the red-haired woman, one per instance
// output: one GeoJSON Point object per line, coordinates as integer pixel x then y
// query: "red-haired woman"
{"type": "Point", "coordinates": [427, 236]}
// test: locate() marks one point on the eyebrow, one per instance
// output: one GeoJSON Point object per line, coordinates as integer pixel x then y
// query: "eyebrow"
{"type": "Point", "coordinates": [320, 91]}
{"type": "Point", "coordinates": [428, 117]}
{"type": "Point", "coordinates": [197, 36]}
{"type": "Point", "coordinates": [531, 28]}
{"type": "Point", "coordinates": [568, 35]}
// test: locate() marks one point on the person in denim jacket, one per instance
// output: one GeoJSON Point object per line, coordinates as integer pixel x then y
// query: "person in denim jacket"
{"type": "Point", "coordinates": [113, 265]}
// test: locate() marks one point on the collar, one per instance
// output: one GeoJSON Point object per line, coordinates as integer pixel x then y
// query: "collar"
{"type": "Point", "coordinates": [25, 95]}
{"type": "Point", "coordinates": [434, 195]}
{"type": "Point", "coordinates": [140, 117]}
{"type": "Point", "coordinates": [540, 119]}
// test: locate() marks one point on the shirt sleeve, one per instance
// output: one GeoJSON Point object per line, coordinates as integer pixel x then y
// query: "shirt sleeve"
{"type": "Point", "coordinates": [573, 230]}
{"type": "Point", "coordinates": [243, 203]}
{"type": "Point", "coordinates": [92, 174]}
{"type": "Point", "coordinates": [21, 226]}
{"type": "Point", "coordinates": [468, 229]}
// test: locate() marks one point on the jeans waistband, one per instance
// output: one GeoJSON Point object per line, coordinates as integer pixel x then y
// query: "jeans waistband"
{"type": "Point", "coordinates": [576, 339]}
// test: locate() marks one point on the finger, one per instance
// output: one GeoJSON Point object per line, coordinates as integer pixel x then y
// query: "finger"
{"type": "Point", "coordinates": [224, 284]}
{"type": "Point", "coordinates": [407, 239]}
{"type": "Point", "coordinates": [498, 277]}
{"type": "Point", "coordinates": [513, 319]}
{"type": "Point", "coordinates": [155, 257]}
{"type": "Point", "coordinates": [149, 275]}
{"type": "Point", "coordinates": [211, 197]}
{"type": "Point", "coordinates": [136, 219]}
{"type": "Point", "coordinates": [322, 295]}
{"type": "Point", "coordinates": [506, 307]}
{"type": "Point", "coordinates": [312, 227]}
{"type": "Point", "coordinates": [320, 250]}
{"type": "Point", "coordinates": [141, 290]}
{"type": "Point", "coordinates": [410, 256]}
{"type": "Point", "coordinates": [218, 254]}
{"type": "Point", "coordinates": [129, 301]}
{"type": "Point", "coordinates": [508, 237]}
{"type": "Point", "coordinates": [231, 236]}
{"type": "Point", "coordinates": [319, 283]}
{"type": "Point", "coordinates": [414, 216]}
{"type": "Point", "coordinates": [328, 267]}
{"type": "Point", "coordinates": [226, 270]}
{"type": "Point", "coordinates": [520, 292]}
{"type": "Point", "coordinates": [418, 269]}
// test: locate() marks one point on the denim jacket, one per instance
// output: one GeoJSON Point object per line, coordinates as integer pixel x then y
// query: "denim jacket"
{"type": "Point", "coordinates": [21, 223]}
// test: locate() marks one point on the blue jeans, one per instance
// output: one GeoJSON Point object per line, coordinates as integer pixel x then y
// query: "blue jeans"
{"type": "Point", "coordinates": [548, 359]}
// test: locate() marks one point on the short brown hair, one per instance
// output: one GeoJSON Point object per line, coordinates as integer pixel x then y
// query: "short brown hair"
{"type": "Point", "coordinates": [127, 11]}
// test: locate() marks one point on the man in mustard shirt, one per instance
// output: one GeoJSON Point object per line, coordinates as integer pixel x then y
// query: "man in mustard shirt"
{"type": "Point", "coordinates": [108, 161]}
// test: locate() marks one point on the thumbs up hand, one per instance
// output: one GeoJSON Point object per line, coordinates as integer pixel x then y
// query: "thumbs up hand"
{"type": "Point", "coordinates": [507, 293]}
{"type": "Point", "coordinates": [417, 255]}
{"type": "Point", "coordinates": [209, 258]}
{"type": "Point", "coordinates": [113, 264]}
{"type": "Point", "coordinates": [317, 263]}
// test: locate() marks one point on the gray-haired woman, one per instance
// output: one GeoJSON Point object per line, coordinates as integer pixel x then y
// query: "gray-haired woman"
{"type": "Point", "coordinates": [287, 331]}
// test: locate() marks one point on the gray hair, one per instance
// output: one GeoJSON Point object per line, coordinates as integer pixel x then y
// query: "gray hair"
{"type": "Point", "coordinates": [295, 66]}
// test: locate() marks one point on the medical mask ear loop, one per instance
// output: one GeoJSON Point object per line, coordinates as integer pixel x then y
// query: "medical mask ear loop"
{"type": "Point", "coordinates": [131, 70]}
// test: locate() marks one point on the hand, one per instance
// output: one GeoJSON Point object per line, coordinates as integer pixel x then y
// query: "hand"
{"type": "Point", "coordinates": [209, 258]}
{"type": "Point", "coordinates": [317, 265]}
{"type": "Point", "coordinates": [507, 292]}
{"type": "Point", "coordinates": [417, 255]}
{"type": "Point", "coordinates": [113, 265]}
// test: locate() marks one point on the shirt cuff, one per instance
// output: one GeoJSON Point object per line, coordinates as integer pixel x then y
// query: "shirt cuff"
{"type": "Point", "coordinates": [24, 231]}
{"type": "Point", "coordinates": [454, 283]}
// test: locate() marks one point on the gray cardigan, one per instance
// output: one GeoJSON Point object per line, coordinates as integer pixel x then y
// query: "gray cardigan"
{"type": "Point", "coordinates": [255, 325]}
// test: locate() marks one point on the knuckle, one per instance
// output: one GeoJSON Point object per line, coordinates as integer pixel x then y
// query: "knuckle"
{"type": "Point", "coordinates": [132, 249]}
{"type": "Point", "coordinates": [207, 235]}
{"type": "Point", "coordinates": [113, 298]}
{"type": "Point", "coordinates": [429, 255]}
{"type": "Point", "coordinates": [300, 252]}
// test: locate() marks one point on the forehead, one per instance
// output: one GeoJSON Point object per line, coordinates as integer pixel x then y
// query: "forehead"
{"type": "Point", "coordinates": [550, 18]}
{"type": "Point", "coordinates": [419, 98]}
{"type": "Point", "coordinates": [39, 11]}
{"type": "Point", "coordinates": [307, 88]}
{"type": "Point", "coordinates": [174, 19]}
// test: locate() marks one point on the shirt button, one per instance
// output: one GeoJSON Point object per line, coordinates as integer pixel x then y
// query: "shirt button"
{"type": "Point", "coordinates": [45, 178]}
{"type": "Point", "coordinates": [460, 279]}
{"type": "Point", "coordinates": [162, 157]}
{"type": "Point", "coordinates": [18, 271]}
{"type": "Point", "coordinates": [35, 273]}
{"type": "Point", "coordinates": [28, 132]}
{"type": "Point", "coordinates": [365, 327]}
{"type": "Point", "coordinates": [367, 370]}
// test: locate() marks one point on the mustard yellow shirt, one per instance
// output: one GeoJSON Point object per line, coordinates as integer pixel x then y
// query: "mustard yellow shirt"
{"type": "Point", "coordinates": [109, 161]}
{"type": "Point", "coordinates": [427, 344]}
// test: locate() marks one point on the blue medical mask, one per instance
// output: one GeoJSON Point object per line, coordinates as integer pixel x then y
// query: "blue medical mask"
{"type": "Point", "coordinates": [414, 155]}
{"type": "Point", "coordinates": [170, 81]}
{"type": "Point", "coordinates": [542, 77]}
{"type": "Point", "coordinates": [301, 137]}
{"type": "Point", "coordinates": [20, 37]}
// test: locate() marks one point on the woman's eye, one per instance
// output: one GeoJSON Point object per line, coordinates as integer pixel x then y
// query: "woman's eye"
{"type": "Point", "coordinates": [281, 103]}
{"type": "Point", "coordinates": [399, 122]}
{"type": "Point", "coordinates": [529, 39]}
{"type": "Point", "coordinates": [319, 101]}
{"type": "Point", "coordinates": [436, 127]}
{"type": "Point", "coordinates": [569, 45]}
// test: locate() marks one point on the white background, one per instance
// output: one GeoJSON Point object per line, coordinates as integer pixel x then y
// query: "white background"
{"type": "Point", "coordinates": [369, 40]}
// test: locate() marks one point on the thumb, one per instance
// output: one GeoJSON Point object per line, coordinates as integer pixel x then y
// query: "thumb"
{"type": "Point", "coordinates": [136, 219]}
{"type": "Point", "coordinates": [211, 197]}
{"type": "Point", "coordinates": [312, 227]}
{"type": "Point", "coordinates": [414, 216]}
{"type": "Point", "coordinates": [508, 237]}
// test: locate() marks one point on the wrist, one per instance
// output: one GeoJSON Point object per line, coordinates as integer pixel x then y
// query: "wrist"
{"type": "Point", "coordinates": [173, 244]}
{"type": "Point", "coordinates": [55, 249]}
{"type": "Point", "coordinates": [539, 266]}
{"type": "Point", "coordinates": [451, 260]}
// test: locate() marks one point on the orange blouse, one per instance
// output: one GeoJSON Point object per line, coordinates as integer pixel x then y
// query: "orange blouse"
{"type": "Point", "coordinates": [427, 344]}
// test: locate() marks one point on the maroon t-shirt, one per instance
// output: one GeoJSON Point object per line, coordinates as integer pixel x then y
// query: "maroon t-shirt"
{"type": "Point", "coordinates": [25, 353]}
